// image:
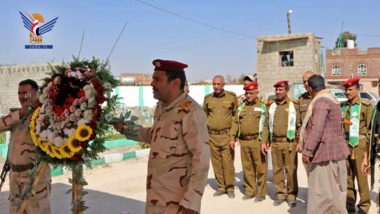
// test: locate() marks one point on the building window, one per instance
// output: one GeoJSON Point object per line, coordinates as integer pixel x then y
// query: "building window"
{"type": "Point", "coordinates": [336, 70]}
{"type": "Point", "coordinates": [362, 70]}
{"type": "Point", "coordinates": [286, 58]}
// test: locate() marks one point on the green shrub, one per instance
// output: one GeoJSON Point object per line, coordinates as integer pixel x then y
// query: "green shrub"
{"type": "Point", "coordinates": [144, 145]}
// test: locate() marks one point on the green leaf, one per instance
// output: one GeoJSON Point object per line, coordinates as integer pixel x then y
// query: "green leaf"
{"type": "Point", "coordinates": [83, 208]}
{"type": "Point", "coordinates": [70, 180]}
{"type": "Point", "coordinates": [69, 191]}
{"type": "Point", "coordinates": [33, 192]}
{"type": "Point", "coordinates": [84, 183]}
{"type": "Point", "coordinates": [108, 93]}
{"type": "Point", "coordinates": [84, 193]}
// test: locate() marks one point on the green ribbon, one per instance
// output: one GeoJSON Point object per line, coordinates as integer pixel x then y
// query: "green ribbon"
{"type": "Point", "coordinates": [354, 118]}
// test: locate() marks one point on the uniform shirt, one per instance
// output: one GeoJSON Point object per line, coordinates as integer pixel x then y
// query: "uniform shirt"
{"type": "Point", "coordinates": [220, 110]}
{"type": "Point", "coordinates": [365, 116]}
{"type": "Point", "coordinates": [249, 119]}
{"type": "Point", "coordinates": [280, 120]}
{"type": "Point", "coordinates": [179, 156]}
{"type": "Point", "coordinates": [304, 102]}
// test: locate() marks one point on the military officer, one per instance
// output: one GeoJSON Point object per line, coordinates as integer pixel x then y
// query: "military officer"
{"type": "Point", "coordinates": [359, 113]}
{"type": "Point", "coordinates": [305, 98]}
{"type": "Point", "coordinates": [280, 128]}
{"type": "Point", "coordinates": [247, 79]}
{"type": "Point", "coordinates": [220, 108]}
{"type": "Point", "coordinates": [180, 155]}
{"type": "Point", "coordinates": [248, 126]}
{"type": "Point", "coordinates": [21, 150]}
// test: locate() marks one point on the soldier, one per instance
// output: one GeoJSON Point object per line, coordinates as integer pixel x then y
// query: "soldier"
{"type": "Point", "coordinates": [305, 98]}
{"type": "Point", "coordinates": [359, 113]}
{"type": "Point", "coordinates": [179, 157]}
{"type": "Point", "coordinates": [247, 79]}
{"type": "Point", "coordinates": [21, 149]}
{"type": "Point", "coordinates": [248, 126]}
{"type": "Point", "coordinates": [280, 128]}
{"type": "Point", "coordinates": [220, 108]}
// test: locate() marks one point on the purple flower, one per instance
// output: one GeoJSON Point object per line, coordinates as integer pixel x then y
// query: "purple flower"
{"type": "Point", "coordinates": [72, 108]}
{"type": "Point", "coordinates": [76, 102]}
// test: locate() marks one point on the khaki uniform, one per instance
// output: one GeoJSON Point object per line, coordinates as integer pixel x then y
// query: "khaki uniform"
{"type": "Point", "coordinates": [21, 149]}
{"type": "Point", "coordinates": [304, 103]}
{"type": "Point", "coordinates": [220, 114]}
{"type": "Point", "coordinates": [179, 157]}
{"type": "Point", "coordinates": [253, 161]}
{"type": "Point", "coordinates": [282, 156]}
{"type": "Point", "coordinates": [354, 165]}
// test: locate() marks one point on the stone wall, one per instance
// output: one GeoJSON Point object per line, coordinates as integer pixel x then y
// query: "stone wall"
{"type": "Point", "coordinates": [305, 48]}
{"type": "Point", "coordinates": [12, 75]}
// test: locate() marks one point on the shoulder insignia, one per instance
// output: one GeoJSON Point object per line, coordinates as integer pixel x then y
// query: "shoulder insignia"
{"type": "Point", "coordinates": [366, 103]}
{"type": "Point", "coordinates": [269, 102]}
{"type": "Point", "coordinates": [208, 95]}
{"type": "Point", "coordinates": [231, 93]}
{"type": "Point", "coordinates": [186, 104]}
{"type": "Point", "coordinates": [264, 101]}
{"type": "Point", "coordinates": [238, 103]}
{"type": "Point", "coordinates": [294, 100]}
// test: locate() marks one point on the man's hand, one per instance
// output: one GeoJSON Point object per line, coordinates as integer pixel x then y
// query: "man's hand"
{"type": "Point", "coordinates": [364, 167]}
{"type": "Point", "coordinates": [232, 144]}
{"type": "Point", "coordinates": [299, 148]}
{"type": "Point", "coordinates": [305, 159]}
{"type": "Point", "coordinates": [25, 105]}
{"type": "Point", "coordinates": [118, 127]}
{"type": "Point", "coordinates": [264, 149]}
{"type": "Point", "coordinates": [183, 210]}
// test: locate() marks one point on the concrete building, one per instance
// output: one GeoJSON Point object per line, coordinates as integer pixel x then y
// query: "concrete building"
{"type": "Point", "coordinates": [133, 79]}
{"type": "Point", "coordinates": [286, 57]}
{"type": "Point", "coordinates": [354, 63]}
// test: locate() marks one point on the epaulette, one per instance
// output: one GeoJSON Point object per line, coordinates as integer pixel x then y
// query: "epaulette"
{"type": "Point", "coordinates": [366, 103]}
{"type": "Point", "coordinates": [186, 104]}
{"type": "Point", "coordinates": [231, 93]}
{"type": "Point", "coordinates": [269, 102]}
{"type": "Point", "coordinates": [263, 101]}
{"type": "Point", "coordinates": [294, 100]}
{"type": "Point", "coordinates": [238, 103]}
{"type": "Point", "coordinates": [209, 95]}
{"type": "Point", "coordinates": [302, 95]}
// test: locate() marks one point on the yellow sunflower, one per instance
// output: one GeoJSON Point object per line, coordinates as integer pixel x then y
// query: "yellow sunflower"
{"type": "Point", "coordinates": [83, 133]}
{"type": "Point", "coordinates": [57, 152]}
{"type": "Point", "coordinates": [74, 144]}
{"type": "Point", "coordinates": [66, 152]}
{"type": "Point", "coordinates": [35, 114]}
{"type": "Point", "coordinates": [39, 141]}
{"type": "Point", "coordinates": [49, 150]}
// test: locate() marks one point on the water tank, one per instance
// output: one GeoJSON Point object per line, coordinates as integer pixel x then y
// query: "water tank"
{"type": "Point", "coordinates": [128, 80]}
{"type": "Point", "coordinates": [350, 44]}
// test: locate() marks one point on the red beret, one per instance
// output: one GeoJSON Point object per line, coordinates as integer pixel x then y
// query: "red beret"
{"type": "Point", "coordinates": [251, 86]}
{"type": "Point", "coordinates": [167, 65]}
{"type": "Point", "coordinates": [281, 83]}
{"type": "Point", "coordinates": [350, 82]}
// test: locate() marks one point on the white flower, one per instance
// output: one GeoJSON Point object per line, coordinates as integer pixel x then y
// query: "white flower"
{"type": "Point", "coordinates": [92, 102]}
{"type": "Point", "coordinates": [50, 136]}
{"type": "Point", "coordinates": [55, 133]}
{"type": "Point", "coordinates": [83, 106]}
{"type": "Point", "coordinates": [48, 109]}
{"type": "Point", "coordinates": [67, 121]}
{"type": "Point", "coordinates": [72, 74]}
{"type": "Point", "coordinates": [58, 142]}
{"type": "Point", "coordinates": [41, 119]}
{"type": "Point", "coordinates": [88, 115]}
{"type": "Point", "coordinates": [72, 117]}
{"type": "Point", "coordinates": [78, 74]}
{"type": "Point", "coordinates": [42, 99]}
{"type": "Point", "coordinates": [82, 122]}
{"type": "Point", "coordinates": [43, 135]}
{"type": "Point", "coordinates": [77, 112]}
{"type": "Point", "coordinates": [64, 141]}
{"type": "Point", "coordinates": [108, 117]}
{"type": "Point", "coordinates": [42, 109]}
{"type": "Point", "coordinates": [66, 131]}
{"type": "Point", "coordinates": [107, 85]}
{"type": "Point", "coordinates": [49, 85]}
{"type": "Point", "coordinates": [90, 93]}
{"type": "Point", "coordinates": [71, 132]}
{"type": "Point", "coordinates": [57, 80]}
{"type": "Point", "coordinates": [38, 129]}
{"type": "Point", "coordinates": [45, 91]}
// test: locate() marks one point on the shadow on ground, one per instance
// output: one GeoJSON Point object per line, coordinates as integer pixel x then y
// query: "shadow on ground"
{"type": "Point", "coordinates": [99, 202]}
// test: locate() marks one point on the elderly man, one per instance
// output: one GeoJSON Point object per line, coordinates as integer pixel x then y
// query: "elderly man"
{"type": "Point", "coordinates": [324, 151]}
{"type": "Point", "coordinates": [21, 150]}
{"type": "Point", "coordinates": [220, 108]}
{"type": "Point", "coordinates": [180, 155]}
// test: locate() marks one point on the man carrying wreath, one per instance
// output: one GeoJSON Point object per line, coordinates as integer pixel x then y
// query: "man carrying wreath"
{"type": "Point", "coordinates": [21, 150]}
{"type": "Point", "coordinates": [180, 155]}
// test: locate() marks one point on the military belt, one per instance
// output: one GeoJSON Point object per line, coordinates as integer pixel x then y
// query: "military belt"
{"type": "Point", "coordinates": [249, 137]}
{"type": "Point", "coordinates": [219, 132]}
{"type": "Point", "coordinates": [21, 168]}
{"type": "Point", "coordinates": [280, 139]}
{"type": "Point", "coordinates": [362, 136]}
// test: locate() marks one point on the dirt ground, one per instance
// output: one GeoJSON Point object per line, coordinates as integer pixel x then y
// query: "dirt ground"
{"type": "Point", "coordinates": [120, 187]}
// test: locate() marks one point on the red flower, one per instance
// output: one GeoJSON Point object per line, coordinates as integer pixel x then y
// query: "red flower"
{"type": "Point", "coordinates": [84, 144]}
{"type": "Point", "coordinates": [100, 90]}
{"type": "Point", "coordinates": [96, 83]}
{"type": "Point", "coordinates": [36, 105]}
{"type": "Point", "coordinates": [49, 80]}
{"type": "Point", "coordinates": [96, 109]}
{"type": "Point", "coordinates": [81, 93]}
{"type": "Point", "coordinates": [66, 106]}
{"type": "Point", "coordinates": [93, 135]}
{"type": "Point", "coordinates": [53, 88]}
{"type": "Point", "coordinates": [58, 110]}
{"type": "Point", "coordinates": [100, 99]}
{"type": "Point", "coordinates": [95, 118]}
{"type": "Point", "coordinates": [76, 157]}
{"type": "Point", "coordinates": [93, 124]}
{"type": "Point", "coordinates": [52, 95]}
{"type": "Point", "coordinates": [70, 100]}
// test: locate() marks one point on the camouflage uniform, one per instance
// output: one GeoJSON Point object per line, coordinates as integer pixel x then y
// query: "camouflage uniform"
{"type": "Point", "coordinates": [179, 157]}
{"type": "Point", "coordinates": [21, 149]}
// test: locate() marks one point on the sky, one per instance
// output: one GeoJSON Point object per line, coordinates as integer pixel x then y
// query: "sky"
{"type": "Point", "coordinates": [154, 34]}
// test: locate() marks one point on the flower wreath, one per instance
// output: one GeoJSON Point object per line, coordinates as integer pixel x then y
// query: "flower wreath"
{"type": "Point", "coordinates": [68, 121]}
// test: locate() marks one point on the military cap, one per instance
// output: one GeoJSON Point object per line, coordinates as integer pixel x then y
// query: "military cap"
{"type": "Point", "coordinates": [351, 82]}
{"type": "Point", "coordinates": [251, 86]}
{"type": "Point", "coordinates": [168, 65]}
{"type": "Point", "coordinates": [281, 83]}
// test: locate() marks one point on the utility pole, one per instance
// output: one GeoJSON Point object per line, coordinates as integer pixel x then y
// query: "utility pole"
{"type": "Point", "coordinates": [288, 13]}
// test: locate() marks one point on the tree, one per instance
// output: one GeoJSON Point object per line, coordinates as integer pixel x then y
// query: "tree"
{"type": "Point", "coordinates": [346, 36]}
